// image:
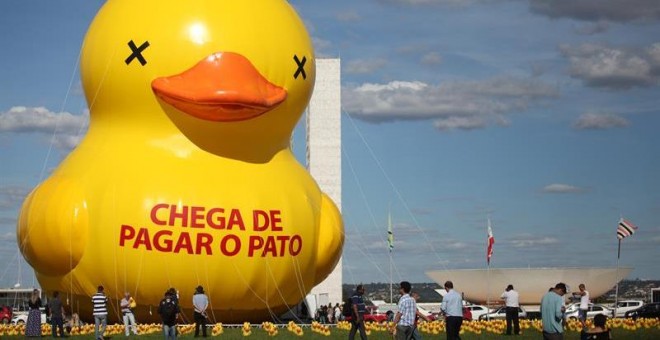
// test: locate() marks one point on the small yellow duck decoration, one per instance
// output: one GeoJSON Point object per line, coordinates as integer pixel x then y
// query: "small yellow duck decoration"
{"type": "Point", "coordinates": [186, 176]}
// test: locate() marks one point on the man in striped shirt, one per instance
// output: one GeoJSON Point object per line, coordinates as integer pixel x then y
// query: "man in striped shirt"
{"type": "Point", "coordinates": [100, 301]}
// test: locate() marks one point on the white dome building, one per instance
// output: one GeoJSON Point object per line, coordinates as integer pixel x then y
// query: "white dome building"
{"type": "Point", "coordinates": [480, 285]}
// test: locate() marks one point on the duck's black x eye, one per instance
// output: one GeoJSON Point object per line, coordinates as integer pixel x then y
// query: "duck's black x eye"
{"type": "Point", "coordinates": [136, 52]}
{"type": "Point", "coordinates": [301, 67]}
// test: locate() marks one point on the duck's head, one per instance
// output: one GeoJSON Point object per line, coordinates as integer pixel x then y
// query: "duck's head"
{"type": "Point", "coordinates": [227, 73]}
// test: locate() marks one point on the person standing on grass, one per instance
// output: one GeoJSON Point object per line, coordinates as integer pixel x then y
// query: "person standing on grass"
{"type": "Point", "coordinates": [452, 307]}
{"type": "Point", "coordinates": [510, 298]}
{"type": "Point", "coordinates": [100, 303]}
{"type": "Point", "coordinates": [552, 312]}
{"type": "Point", "coordinates": [357, 316]}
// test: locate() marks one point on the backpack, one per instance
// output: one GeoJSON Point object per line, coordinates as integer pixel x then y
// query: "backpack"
{"type": "Point", "coordinates": [347, 308]}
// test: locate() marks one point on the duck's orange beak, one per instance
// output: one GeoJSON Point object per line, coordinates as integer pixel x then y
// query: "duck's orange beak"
{"type": "Point", "coordinates": [223, 87]}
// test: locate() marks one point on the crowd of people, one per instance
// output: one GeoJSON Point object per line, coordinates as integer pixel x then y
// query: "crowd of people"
{"type": "Point", "coordinates": [403, 326]}
{"type": "Point", "coordinates": [404, 323]}
{"type": "Point", "coordinates": [329, 314]}
{"type": "Point", "coordinates": [168, 309]}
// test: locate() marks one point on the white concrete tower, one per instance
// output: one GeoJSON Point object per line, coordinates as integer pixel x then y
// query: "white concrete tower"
{"type": "Point", "coordinates": [324, 155]}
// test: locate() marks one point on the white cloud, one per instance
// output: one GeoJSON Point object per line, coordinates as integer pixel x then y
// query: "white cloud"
{"type": "Point", "coordinates": [456, 245]}
{"type": "Point", "coordinates": [594, 121]}
{"type": "Point", "coordinates": [431, 58]}
{"type": "Point", "coordinates": [348, 16]}
{"type": "Point", "coordinates": [65, 128]}
{"type": "Point", "coordinates": [593, 28]}
{"type": "Point", "coordinates": [599, 10]}
{"type": "Point", "coordinates": [8, 236]}
{"type": "Point", "coordinates": [432, 2]}
{"type": "Point", "coordinates": [39, 119]}
{"type": "Point", "coordinates": [364, 66]}
{"type": "Point", "coordinates": [613, 68]}
{"type": "Point", "coordinates": [562, 189]}
{"type": "Point", "coordinates": [321, 46]}
{"type": "Point", "coordinates": [459, 104]}
{"type": "Point", "coordinates": [461, 123]}
{"type": "Point", "coordinates": [531, 241]}
{"type": "Point", "coordinates": [12, 196]}
{"type": "Point", "coordinates": [412, 48]}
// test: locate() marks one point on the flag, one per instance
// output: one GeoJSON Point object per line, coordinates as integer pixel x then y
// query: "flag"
{"type": "Point", "coordinates": [625, 229]}
{"type": "Point", "coordinates": [390, 235]}
{"type": "Point", "coordinates": [491, 241]}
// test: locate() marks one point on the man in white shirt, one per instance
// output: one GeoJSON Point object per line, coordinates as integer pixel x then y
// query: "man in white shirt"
{"type": "Point", "coordinates": [510, 298]}
{"type": "Point", "coordinates": [127, 304]}
{"type": "Point", "coordinates": [452, 307]}
{"type": "Point", "coordinates": [584, 304]}
{"type": "Point", "coordinates": [200, 303]}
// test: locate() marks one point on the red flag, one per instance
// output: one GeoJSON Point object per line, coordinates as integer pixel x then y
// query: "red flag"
{"type": "Point", "coordinates": [491, 241]}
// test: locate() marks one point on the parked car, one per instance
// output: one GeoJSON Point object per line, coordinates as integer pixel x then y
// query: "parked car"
{"type": "Point", "coordinates": [5, 314]}
{"type": "Point", "coordinates": [478, 310]}
{"type": "Point", "coordinates": [427, 313]}
{"type": "Point", "coordinates": [627, 305]}
{"type": "Point", "coordinates": [500, 314]}
{"type": "Point", "coordinates": [649, 310]}
{"type": "Point", "coordinates": [373, 315]}
{"type": "Point", "coordinates": [467, 315]}
{"type": "Point", "coordinates": [594, 309]}
{"type": "Point", "coordinates": [21, 318]}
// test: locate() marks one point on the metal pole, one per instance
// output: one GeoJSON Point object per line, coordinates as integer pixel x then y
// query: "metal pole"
{"type": "Point", "coordinates": [488, 291]}
{"type": "Point", "coordinates": [391, 298]}
{"type": "Point", "coordinates": [616, 290]}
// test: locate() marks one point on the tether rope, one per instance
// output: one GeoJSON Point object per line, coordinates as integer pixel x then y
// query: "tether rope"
{"type": "Point", "coordinates": [396, 191]}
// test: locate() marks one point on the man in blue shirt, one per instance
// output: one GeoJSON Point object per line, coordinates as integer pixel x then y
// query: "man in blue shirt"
{"type": "Point", "coordinates": [552, 313]}
{"type": "Point", "coordinates": [357, 317]}
{"type": "Point", "coordinates": [452, 307]}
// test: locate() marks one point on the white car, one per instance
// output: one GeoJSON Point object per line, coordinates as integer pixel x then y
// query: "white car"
{"type": "Point", "coordinates": [20, 318]}
{"type": "Point", "coordinates": [500, 314]}
{"type": "Point", "coordinates": [623, 306]}
{"type": "Point", "coordinates": [594, 309]}
{"type": "Point", "coordinates": [478, 310]}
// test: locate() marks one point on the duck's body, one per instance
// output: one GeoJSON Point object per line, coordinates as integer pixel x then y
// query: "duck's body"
{"type": "Point", "coordinates": [173, 189]}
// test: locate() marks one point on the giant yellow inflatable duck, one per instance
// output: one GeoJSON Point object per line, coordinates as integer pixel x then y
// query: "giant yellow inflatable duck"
{"type": "Point", "coordinates": [185, 176]}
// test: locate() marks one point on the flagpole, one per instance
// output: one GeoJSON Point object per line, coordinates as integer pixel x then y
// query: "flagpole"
{"type": "Point", "coordinates": [390, 243]}
{"type": "Point", "coordinates": [391, 299]}
{"type": "Point", "coordinates": [488, 290]}
{"type": "Point", "coordinates": [624, 229]}
{"type": "Point", "coordinates": [616, 290]}
{"type": "Point", "coordinates": [489, 231]}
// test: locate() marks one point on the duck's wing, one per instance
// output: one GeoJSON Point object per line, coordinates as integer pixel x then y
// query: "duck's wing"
{"type": "Point", "coordinates": [53, 226]}
{"type": "Point", "coordinates": [331, 239]}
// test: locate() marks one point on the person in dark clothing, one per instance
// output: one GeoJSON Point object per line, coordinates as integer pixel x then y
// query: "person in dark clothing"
{"type": "Point", "coordinates": [33, 326]}
{"type": "Point", "coordinates": [357, 317]}
{"type": "Point", "coordinates": [169, 313]}
{"type": "Point", "coordinates": [56, 314]}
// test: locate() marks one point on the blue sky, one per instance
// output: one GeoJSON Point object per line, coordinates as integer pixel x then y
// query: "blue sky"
{"type": "Point", "coordinates": [542, 114]}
